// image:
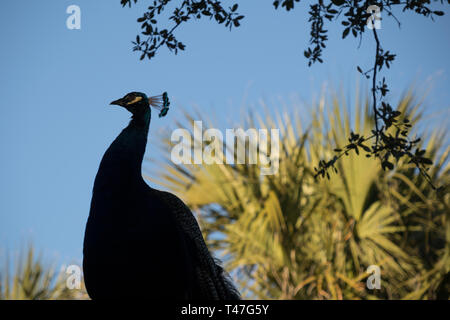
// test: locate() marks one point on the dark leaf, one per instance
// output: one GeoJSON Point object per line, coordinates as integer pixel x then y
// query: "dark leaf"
{"type": "Point", "coordinates": [338, 2]}
{"type": "Point", "coordinates": [386, 164]}
{"type": "Point", "coordinates": [345, 33]}
{"type": "Point", "coordinates": [366, 148]}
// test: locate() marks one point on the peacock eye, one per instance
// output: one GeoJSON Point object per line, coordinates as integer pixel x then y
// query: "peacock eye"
{"type": "Point", "coordinates": [134, 99]}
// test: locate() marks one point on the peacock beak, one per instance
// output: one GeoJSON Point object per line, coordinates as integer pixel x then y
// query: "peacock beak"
{"type": "Point", "coordinates": [118, 102]}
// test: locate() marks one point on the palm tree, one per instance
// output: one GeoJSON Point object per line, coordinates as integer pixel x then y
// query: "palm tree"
{"type": "Point", "coordinates": [35, 280]}
{"type": "Point", "coordinates": [288, 236]}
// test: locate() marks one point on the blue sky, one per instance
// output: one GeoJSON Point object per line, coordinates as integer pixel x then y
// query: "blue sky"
{"type": "Point", "coordinates": [56, 85]}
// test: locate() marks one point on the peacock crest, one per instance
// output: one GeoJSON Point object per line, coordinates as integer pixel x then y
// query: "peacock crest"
{"type": "Point", "coordinates": [161, 103]}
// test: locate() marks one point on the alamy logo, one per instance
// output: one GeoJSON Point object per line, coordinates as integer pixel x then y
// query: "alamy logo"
{"type": "Point", "coordinates": [374, 21]}
{"type": "Point", "coordinates": [374, 281]}
{"type": "Point", "coordinates": [208, 147]}
{"type": "Point", "coordinates": [74, 279]}
{"type": "Point", "coordinates": [74, 20]}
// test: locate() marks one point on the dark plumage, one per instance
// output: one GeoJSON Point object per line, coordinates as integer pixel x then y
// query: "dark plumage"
{"type": "Point", "coordinates": [141, 242]}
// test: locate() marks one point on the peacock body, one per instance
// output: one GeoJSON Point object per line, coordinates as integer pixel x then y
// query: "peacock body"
{"type": "Point", "coordinates": [141, 242]}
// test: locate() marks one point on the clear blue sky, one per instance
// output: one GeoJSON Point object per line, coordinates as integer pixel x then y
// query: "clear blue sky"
{"type": "Point", "coordinates": [56, 85]}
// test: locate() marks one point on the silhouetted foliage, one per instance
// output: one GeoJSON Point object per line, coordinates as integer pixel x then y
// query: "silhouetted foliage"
{"type": "Point", "coordinates": [354, 16]}
{"type": "Point", "coordinates": [386, 144]}
{"type": "Point", "coordinates": [187, 10]}
{"type": "Point", "coordinates": [288, 236]}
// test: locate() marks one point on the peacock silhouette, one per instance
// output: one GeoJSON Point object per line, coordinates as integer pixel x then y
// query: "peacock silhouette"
{"type": "Point", "coordinates": [141, 242]}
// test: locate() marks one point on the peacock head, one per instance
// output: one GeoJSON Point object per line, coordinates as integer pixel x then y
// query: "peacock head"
{"type": "Point", "coordinates": [137, 103]}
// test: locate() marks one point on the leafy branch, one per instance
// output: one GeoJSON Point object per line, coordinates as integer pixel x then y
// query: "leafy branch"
{"type": "Point", "coordinates": [187, 10]}
{"type": "Point", "coordinates": [354, 16]}
{"type": "Point", "coordinates": [386, 145]}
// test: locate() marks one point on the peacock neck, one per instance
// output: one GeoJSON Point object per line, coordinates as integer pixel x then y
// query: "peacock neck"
{"type": "Point", "coordinates": [122, 163]}
{"type": "Point", "coordinates": [141, 121]}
